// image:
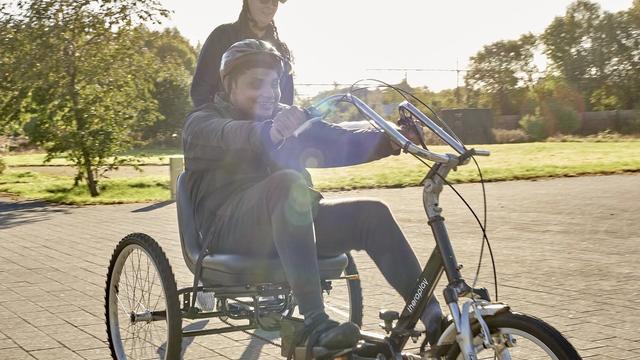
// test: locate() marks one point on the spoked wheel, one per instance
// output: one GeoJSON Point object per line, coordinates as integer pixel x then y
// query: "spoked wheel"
{"type": "Point", "coordinates": [141, 302]}
{"type": "Point", "coordinates": [344, 303]}
{"type": "Point", "coordinates": [518, 336]}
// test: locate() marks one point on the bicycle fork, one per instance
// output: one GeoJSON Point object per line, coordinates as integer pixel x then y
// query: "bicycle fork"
{"type": "Point", "coordinates": [461, 332]}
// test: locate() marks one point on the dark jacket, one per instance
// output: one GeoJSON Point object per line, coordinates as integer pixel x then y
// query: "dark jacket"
{"type": "Point", "coordinates": [206, 80]}
{"type": "Point", "coordinates": [225, 155]}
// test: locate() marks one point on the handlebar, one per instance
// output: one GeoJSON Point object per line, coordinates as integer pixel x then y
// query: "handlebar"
{"type": "Point", "coordinates": [395, 136]}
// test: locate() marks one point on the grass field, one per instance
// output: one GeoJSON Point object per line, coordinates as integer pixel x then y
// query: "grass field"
{"type": "Point", "coordinates": [60, 189]}
{"type": "Point", "coordinates": [147, 157]}
{"type": "Point", "coordinates": [507, 162]}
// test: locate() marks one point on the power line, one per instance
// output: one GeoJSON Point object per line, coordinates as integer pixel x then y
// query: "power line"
{"type": "Point", "coordinates": [457, 70]}
{"type": "Point", "coordinates": [419, 69]}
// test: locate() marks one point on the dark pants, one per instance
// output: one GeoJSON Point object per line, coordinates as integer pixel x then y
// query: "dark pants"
{"type": "Point", "coordinates": [277, 217]}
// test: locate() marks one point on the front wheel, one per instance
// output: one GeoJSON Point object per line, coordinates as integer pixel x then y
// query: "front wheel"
{"type": "Point", "coordinates": [518, 336]}
{"type": "Point", "coordinates": [345, 300]}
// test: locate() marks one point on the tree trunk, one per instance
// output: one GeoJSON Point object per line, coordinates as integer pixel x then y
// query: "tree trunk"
{"type": "Point", "coordinates": [77, 179]}
{"type": "Point", "coordinates": [92, 183]}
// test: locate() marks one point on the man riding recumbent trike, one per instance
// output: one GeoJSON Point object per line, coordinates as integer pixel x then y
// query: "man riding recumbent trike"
{"type": "Point", "coordinates": [266, 246]}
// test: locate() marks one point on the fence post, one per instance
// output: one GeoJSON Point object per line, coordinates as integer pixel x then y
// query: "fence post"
{"type": "Point", "coordinates": [176, 165]}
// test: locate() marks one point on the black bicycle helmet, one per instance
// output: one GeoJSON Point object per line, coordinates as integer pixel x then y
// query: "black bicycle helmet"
{"type": "Point", "coordinates": [258, 51]}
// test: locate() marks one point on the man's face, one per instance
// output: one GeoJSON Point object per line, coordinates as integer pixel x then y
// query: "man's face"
{"type": "Point", "coordinates": [256, 92]}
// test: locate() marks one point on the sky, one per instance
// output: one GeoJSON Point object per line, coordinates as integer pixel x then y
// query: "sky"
{"type": "Point", "coordinates": [343, 40]}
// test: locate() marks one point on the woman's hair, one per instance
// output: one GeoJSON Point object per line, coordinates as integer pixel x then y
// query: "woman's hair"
{"type": "Point", "coordinates": [271, 33]}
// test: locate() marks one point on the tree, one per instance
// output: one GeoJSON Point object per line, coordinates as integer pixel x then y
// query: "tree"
{"type": "Point", "coordinates": [598, 53]}
{"type": "Point", "coordinates": [572, 45]}
{"type": "Point", "coordinates": [634, 12]}
{"type": "Point", "coordinates": [175, 65]}
{"type": "Point", "coordinates": [85, 78]}
{"type": "Point", "coordinates": [12, 43]}
{"type": "Point", "coordinates": [621, 44]}
{"type": "Point", "coordinates": [503, 71]}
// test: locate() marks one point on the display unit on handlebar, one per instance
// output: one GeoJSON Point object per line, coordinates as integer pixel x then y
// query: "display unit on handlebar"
{"type": "Point", "coordinates": [477, 326]}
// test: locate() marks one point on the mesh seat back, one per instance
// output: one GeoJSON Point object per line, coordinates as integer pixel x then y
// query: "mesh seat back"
{"type": "Point", "coordinates": [189, 238]}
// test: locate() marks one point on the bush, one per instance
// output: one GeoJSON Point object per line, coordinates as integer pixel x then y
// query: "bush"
{"type": "Point", "coordinates": [534, 126]}
{"type": "Point", "coordinates": [601, 137]}
{"type": "Point", "coordinates": [504, 136]}
{"type": "Point", "coordinates": [3, 166]}
{"type": "Point", "coordinates": [563, 119]}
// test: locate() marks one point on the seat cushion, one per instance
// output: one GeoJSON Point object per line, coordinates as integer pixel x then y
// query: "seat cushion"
{"type": "Point", "coordinates": [237, 270]}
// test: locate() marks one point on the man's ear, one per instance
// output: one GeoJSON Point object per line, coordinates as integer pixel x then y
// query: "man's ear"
{"type": "Point", "coordinates": [227, 84]}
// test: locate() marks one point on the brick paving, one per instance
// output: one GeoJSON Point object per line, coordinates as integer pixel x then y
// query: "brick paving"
{"type": "Point", "coordinates": [566, 251]}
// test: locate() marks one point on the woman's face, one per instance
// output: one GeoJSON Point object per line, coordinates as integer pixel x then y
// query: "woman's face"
{"type": "Point", "coordinates": [256, 92]}
{"type": "Point", "coordinates": [263, 11]}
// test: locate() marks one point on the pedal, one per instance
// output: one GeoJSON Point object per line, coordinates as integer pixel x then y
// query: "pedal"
{"type": "Point", "coordinates": [269, 302]}
{"type": "Point", "coordinates": [388, 316]}
{"type": "Point", "coordinates": [289, 328]}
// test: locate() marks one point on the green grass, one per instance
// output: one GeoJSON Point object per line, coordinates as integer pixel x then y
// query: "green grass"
{"type": "Point", "coordinates": [60, 189]}
{"type": "Point", "coordinates": [145, 157]}
{"type": "Point", "coordinates": [507, 162]}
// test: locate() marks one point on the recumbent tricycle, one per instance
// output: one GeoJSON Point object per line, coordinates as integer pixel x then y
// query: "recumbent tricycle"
{"type": "Point", "coordinates": [145, 310]}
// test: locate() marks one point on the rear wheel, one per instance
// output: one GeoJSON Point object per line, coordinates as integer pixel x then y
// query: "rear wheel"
{"type": "Point", "coordinates": [518, 336]}
{"type": "Point", "coordinates": [141, 303]}
{"type": "Point", "coordinates": [344, 303]}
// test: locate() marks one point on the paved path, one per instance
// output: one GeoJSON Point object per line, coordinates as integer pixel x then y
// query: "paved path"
{"type": "Point", "coordinates": [567, 251]}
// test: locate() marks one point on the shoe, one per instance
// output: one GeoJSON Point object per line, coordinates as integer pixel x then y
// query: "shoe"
{"type": "Point", "coordinates": [340, 336]}
{"type": "Point", "coordinates": [328, 334]}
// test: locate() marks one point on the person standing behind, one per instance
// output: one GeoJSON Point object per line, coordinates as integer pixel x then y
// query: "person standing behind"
{"type": "Point", "coordinates": [255, 22]}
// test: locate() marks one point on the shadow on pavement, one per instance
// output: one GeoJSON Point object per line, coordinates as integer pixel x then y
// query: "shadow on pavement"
{"type": "Point", "coordinates": [188, 340]}
{"type": "Point", "coordinates": [251, 352]}
{"type": "Point", "coordinates": [253, 349]}
{"type": "Point", "coordinates": [153, 206]}
{"type": "Point", "coordinates": [14, 214]}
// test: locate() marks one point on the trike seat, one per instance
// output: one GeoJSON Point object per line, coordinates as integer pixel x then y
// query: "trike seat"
{"type": "Point", "coordinates": [231, 269]}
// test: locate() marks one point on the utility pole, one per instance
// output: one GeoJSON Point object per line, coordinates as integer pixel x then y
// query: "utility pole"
{"type": "Point", "coordinates": [457, 90]}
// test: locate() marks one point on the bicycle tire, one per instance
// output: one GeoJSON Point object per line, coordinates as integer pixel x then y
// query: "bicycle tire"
{"type": "Point", "coordinates": [523, 325]}
{"type": "Point", "coordinates": [135, 344]}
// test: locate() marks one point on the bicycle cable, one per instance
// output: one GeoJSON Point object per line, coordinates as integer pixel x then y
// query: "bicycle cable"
{"type": "Point", "coordinates": [482, 224]}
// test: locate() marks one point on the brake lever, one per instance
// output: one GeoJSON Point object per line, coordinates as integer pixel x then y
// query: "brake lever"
{"type": "Point", "coordinates": [407, 121]}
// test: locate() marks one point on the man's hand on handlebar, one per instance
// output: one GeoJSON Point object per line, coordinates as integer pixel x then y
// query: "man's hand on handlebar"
{"type": "Point", "coordinates": [286, 123]}
{"type": "Point", "coordinates": [410, 133]}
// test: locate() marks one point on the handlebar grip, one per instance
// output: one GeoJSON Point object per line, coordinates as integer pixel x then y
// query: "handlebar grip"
{"type": "Point", "coordinates": [312, 113]}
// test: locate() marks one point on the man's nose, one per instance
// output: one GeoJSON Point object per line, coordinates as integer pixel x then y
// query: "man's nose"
{"type": "Point", "coordinates": [268, 92]}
